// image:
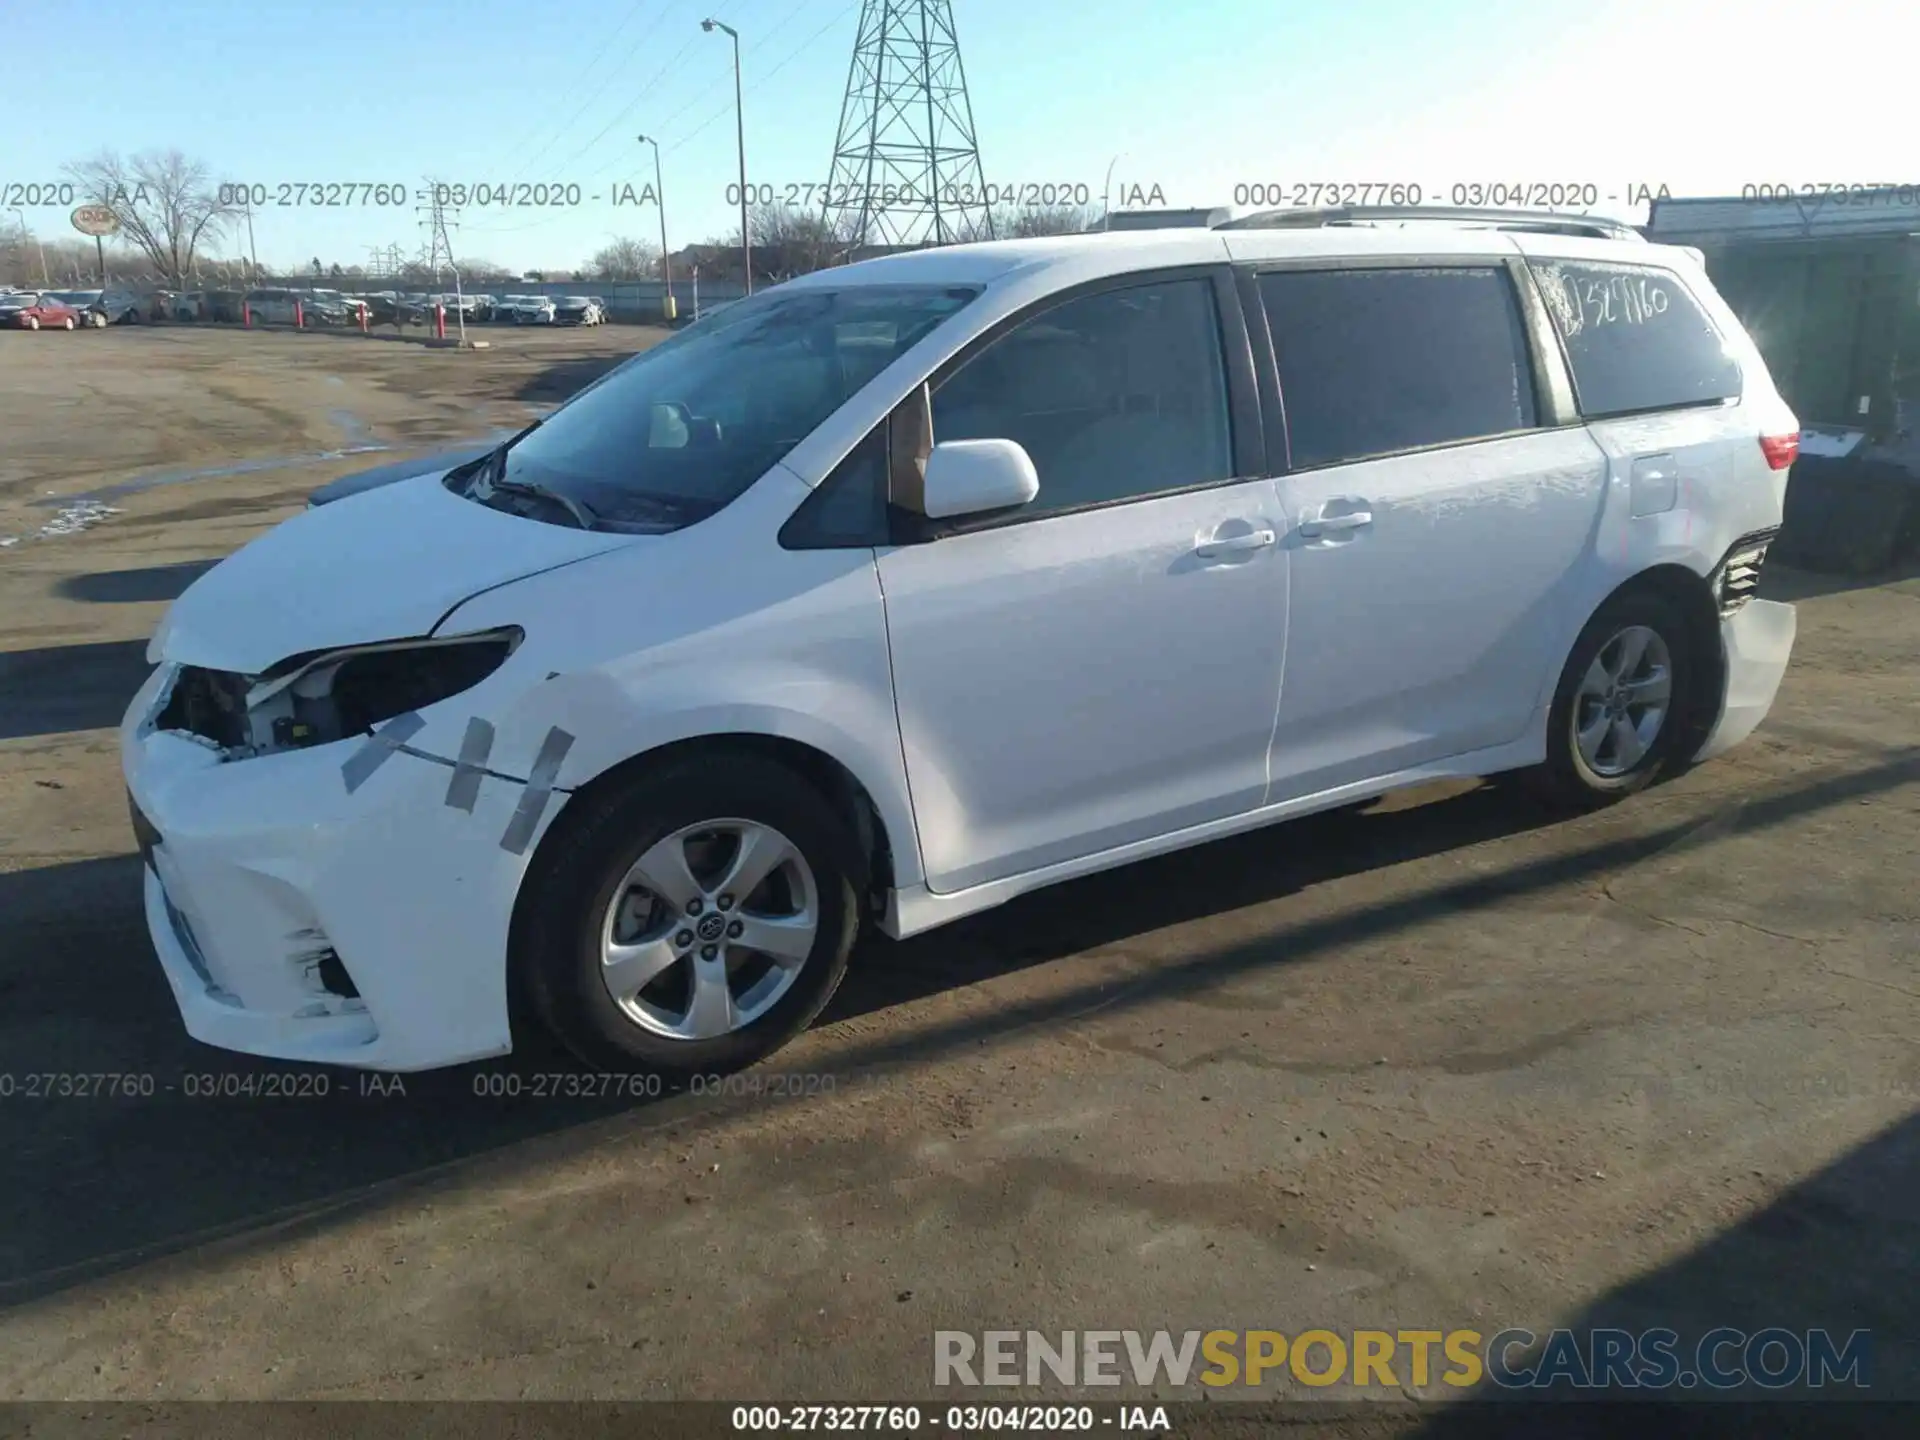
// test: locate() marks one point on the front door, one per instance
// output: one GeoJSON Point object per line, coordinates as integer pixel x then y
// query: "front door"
{"type": "Point", "coordinates": [1100, 667]}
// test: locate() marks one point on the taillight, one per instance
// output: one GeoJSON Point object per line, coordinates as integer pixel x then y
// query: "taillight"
{"type": "Point", "coordinates": [1780, 450]}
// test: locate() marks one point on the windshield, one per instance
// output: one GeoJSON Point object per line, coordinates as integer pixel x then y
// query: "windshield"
{"type": "Point", "coordinates": [74, 297]}
{"type": "Point", "coordinates": [681, 430]}
{"type": "Point", "coordinates": [18, 301]}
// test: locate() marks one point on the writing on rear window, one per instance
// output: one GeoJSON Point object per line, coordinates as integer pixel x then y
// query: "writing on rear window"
{"type": "Point", "coordinates": [1615, 300]}
{"type": "Point", "coordinates": [1636, 339]}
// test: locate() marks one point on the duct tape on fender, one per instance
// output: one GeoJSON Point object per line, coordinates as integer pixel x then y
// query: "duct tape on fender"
{"type": "Point", "coordinates": [464, 789]}
{"type": "Point", "coordinates": [533, 801]}
{"type": "Point", "coordinates": [380, 748]}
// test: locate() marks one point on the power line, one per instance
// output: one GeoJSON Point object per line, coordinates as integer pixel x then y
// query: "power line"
{"type": "Point", "coordinates": [792, 56]}
{"type": "Point", "coordinates": [603, 53]}
{"type": "Point", "coordinates": [754, 49]}
{"type": "Point", "coordinates": [641, 94]}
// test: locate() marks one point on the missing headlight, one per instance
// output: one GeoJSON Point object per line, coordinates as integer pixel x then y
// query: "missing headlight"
{"type": "Point", "coordinates": [319, 698]}
{"type": "Point", "coordinates": [381, 684]}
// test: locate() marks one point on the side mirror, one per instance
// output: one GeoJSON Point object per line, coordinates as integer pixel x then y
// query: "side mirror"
{"type": "Point", "coordinates": [970, 477]}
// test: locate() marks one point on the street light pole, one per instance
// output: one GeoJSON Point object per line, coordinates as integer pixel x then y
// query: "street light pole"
{"type": "Point", "coordinates": [253, 255]}
{"type": "Point", "coordinates": [41, 245]}
{"type": "Point", "coordinates": [666, 264]}
{"type": "Point", "coordinates": [740, 126]}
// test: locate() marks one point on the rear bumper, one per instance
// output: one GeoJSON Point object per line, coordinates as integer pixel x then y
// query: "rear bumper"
{"type": "Point", "coordinates": [1758, 641]}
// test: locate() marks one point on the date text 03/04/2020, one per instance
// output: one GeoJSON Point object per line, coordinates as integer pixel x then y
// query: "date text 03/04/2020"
{"type": "Point", "coordinates": [1575, 195]}
{"type": "Point", "coordinates": [1043, 1419]}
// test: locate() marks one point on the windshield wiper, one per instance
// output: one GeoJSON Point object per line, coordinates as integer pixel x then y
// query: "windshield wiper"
{"type": "Point", "coordinates": [582, 514]}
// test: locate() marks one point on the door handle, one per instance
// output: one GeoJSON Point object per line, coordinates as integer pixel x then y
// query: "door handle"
{"type": "Point", "coordinates": [1321, 525]}
{"type": "Point", "coordinates": [1234, 544]}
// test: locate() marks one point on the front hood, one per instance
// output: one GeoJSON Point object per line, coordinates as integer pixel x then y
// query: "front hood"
{"type": "Point", "coordinates": [379, 475]}
{"type": "Point", "coordinates": [386, 567]}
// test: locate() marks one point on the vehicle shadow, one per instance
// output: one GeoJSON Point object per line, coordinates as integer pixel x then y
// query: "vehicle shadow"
{"type": "Point", "coordinates": [61, 688]}
{"type": "Point", "coordinates": [132, 587]}
{"type": "Point", "coordinates": [1838, 1252]}
{"type": "Point", "coordinates": [1231, 874]}
{"type": "Point", "coordinates": [565, 379]}
{"type": "Point", "coordinates": [215, 1146]}
{"type": "Point", "coordinates": [1792, 585]}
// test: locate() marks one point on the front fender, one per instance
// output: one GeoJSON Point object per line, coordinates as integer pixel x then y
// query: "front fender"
{"type": "Point", "coordinates": [713, 630]}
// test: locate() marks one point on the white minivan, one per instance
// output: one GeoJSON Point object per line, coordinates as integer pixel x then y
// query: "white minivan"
{"type": "Point", "coordinates": [906, 587]}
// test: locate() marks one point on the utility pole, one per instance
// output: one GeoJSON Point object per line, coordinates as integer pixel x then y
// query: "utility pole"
{"type": "Point", "coordinates": [26, 235]}
{"type": "Point", "coordinates": [740, 129]}
{"type": "Point", "coordinates": [253, 256]}
{"type": "Point", "coordinates": [666, 263]}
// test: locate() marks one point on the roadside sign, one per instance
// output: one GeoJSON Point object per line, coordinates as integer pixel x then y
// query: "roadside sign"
{"type": "Point", "coordinates": [95, 220]}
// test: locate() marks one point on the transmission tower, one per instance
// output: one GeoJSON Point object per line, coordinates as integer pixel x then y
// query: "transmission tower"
{"type": "Point", "coordinates": [440, 250]}
{"type": "Point", "coordinates": [906, 165]}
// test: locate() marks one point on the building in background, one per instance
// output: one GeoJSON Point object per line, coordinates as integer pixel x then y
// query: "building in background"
{"type": "Point", "coordinates": [1829, 287]}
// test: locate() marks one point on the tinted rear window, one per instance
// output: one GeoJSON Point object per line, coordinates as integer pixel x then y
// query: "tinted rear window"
{"type": "Point", "coordinates": [1636, 339]}
{"type": "Point", "coordinates": [1378, 361]}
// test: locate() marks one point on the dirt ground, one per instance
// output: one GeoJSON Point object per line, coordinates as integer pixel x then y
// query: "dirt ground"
{"type": "Point", "coordinates": [1446, 1062]}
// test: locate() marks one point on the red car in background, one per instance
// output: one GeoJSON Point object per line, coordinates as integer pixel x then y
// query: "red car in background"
{"type": "Point", "coordinates": [32, 310]}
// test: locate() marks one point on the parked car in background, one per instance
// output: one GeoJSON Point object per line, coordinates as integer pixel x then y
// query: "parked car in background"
{"type": "Point", "coordinates": [506, 309]}
{"type": "Point", "coordinates": [224, 305]}
{"type": "Point", "coordinates": [577, 310]}
{"type": "Point", "coordinates": [332, 304]}
{"type": "Point", "coordinates": [38, 310]}
{"type": "Point", "coordinates": [535, 310]}
{"type": "Point", "coordinates": [314, 307]}
{"type": "Point", "coordinates": [464, 306]}
{"type": "Point", "coordinates": [114, 305]}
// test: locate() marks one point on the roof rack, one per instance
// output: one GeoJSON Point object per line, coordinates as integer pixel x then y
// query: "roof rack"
{"type": "Point", "coordinates": [1548, 222]}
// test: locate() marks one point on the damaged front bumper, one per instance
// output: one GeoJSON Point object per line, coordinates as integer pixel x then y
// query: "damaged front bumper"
{"type": "Point", "coordinates": [344, 904]}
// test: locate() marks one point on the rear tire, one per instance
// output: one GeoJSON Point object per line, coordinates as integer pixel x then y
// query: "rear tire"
{"type": "Point", "coordinates": [1620, 712]}
{"type": "Point", "coordinates": [67, 323]}
{"type": "Point", "coordinates": [587, 898]}
{"type": "Point", "coordinates": [33, 323]}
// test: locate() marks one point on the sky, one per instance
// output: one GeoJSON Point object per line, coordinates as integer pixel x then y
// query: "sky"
{"type": "Point", "coordinates": [1192, 102]}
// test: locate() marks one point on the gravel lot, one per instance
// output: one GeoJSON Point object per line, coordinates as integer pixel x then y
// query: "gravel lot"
{"type": "Point", "coordinates": [1446, 1062]}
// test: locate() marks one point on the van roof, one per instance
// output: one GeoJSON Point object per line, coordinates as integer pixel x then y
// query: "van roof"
{"type": "Point", "coordinates": [1276, 235]}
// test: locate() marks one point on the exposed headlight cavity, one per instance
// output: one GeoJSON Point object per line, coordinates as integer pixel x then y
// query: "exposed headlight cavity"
{"type": "Point", "coordinates": [319, 698]}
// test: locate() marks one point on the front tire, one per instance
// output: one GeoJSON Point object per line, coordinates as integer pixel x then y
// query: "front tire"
{"type": "Point", "coordinates": [33, 323]}
{"type": "Point", "coordinates": [67, 323]}
{"type": "Point", "coordinates": [691, 920]}
{"type": "Point", "coordinates": [1619, 714]}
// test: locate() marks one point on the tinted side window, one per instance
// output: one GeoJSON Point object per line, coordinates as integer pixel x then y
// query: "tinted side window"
{"type": "Point", "coordinates": [1377, 361]}
{"type": "Point", "coordinates": [1115, 395]}
{"type": "Point", "coordinates": [1636, 338]}
{"type": "Point", "coordinates": [849, 509]}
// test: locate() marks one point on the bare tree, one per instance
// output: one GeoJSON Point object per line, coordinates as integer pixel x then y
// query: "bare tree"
{"type": "Point", "coordinates": [1037, 220]}
{"type": "Point", "coordinates": [164, 202]}
{"type": "Point", "coordinates": [789, 241]}
{"type": "Point", "coordinates": [486, 271]}
{"type": "Point", "coordinates": [625, 259]}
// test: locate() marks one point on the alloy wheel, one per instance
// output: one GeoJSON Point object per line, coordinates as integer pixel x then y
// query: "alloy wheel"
{"type": "Point", "coordinates": [1623, 701]}
{"type": "Point", "coordinates": [709, 929]}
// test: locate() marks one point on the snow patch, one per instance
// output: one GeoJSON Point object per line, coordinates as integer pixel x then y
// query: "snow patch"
{"type": "Point", "coordinates": [80, 515]}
